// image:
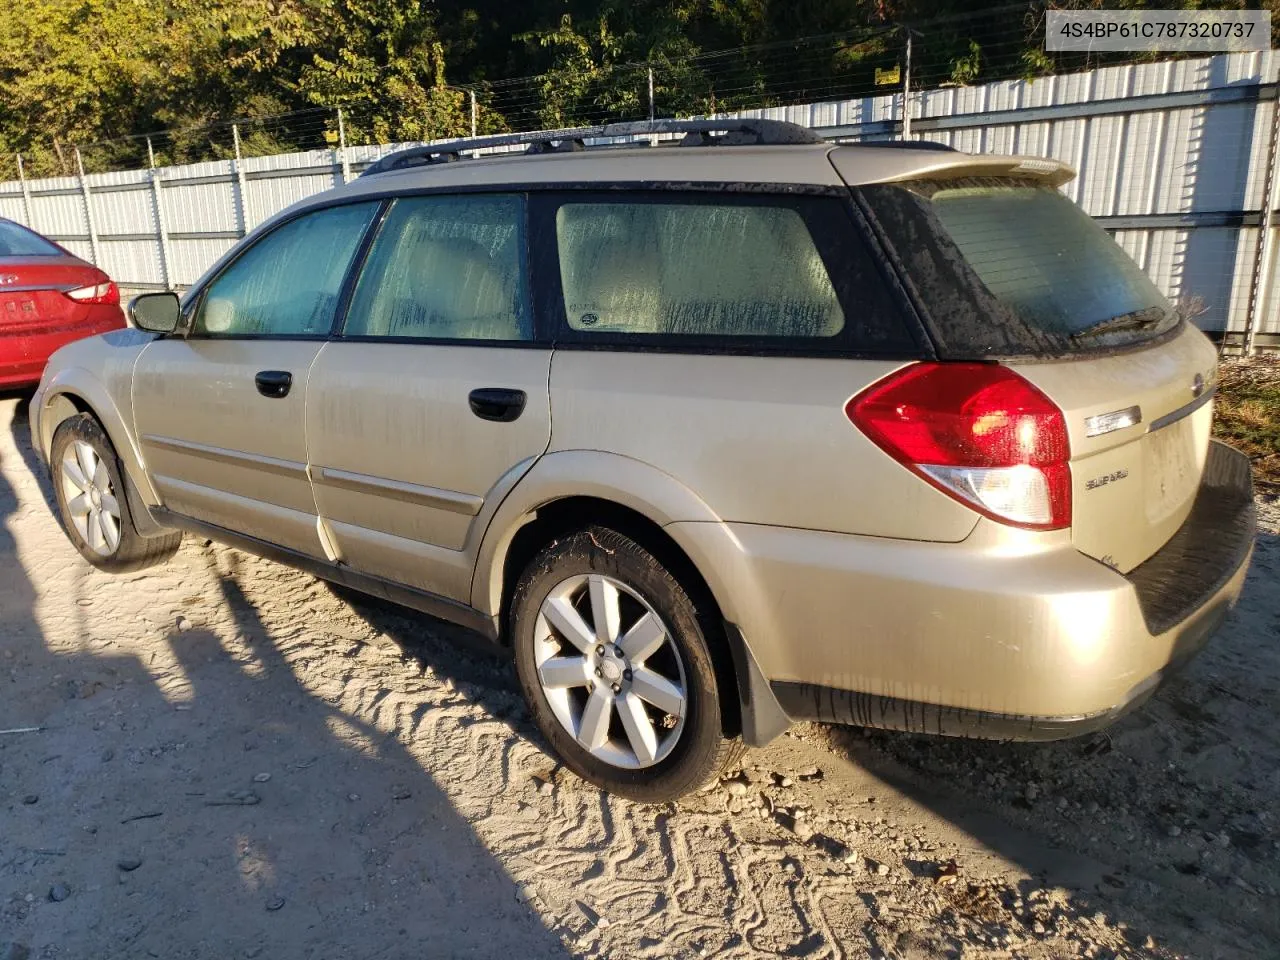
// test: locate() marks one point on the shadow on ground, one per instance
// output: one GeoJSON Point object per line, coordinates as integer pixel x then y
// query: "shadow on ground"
{"type": "Point", "coordinates": [147, 816]}
{"type": "Point", "coordinates": [360, 851]}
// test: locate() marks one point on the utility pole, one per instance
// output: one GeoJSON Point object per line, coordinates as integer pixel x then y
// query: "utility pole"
{"type": "Point", "coordinates": [652, 112]}
{"type": "Point", "coordinates": [475, 113]}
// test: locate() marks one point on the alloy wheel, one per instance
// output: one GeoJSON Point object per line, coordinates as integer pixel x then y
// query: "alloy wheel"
{"type": "Point", "coordinates": [610, 671]}
{"type": "Point", "coordinates": [90, 498]}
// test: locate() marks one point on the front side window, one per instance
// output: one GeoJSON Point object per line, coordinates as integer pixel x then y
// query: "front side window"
{"type": "Point", "coordinates": [447, 267]}
{"type": "Point", "coordinates": [287, 284]}
{"type": "Point", "coordinates": [694, 270]}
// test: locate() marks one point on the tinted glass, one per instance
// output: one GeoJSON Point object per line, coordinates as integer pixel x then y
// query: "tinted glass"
{"type": "Point", "coordinates": [710, 270]}
{"type": "Point", "coordinates": [447, 267]}
{"type": "Point", "coordinates": [16, 241]}
{"type": "Point", "coordinates": [287, 284]}
{"type": "Point", "coordinates": [1012, 267]}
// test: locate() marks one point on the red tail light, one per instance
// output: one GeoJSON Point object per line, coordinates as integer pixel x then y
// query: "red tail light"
{"type": "Point", "coordinates": [98, 293]}
{"type": "Point", "coordinates": [979, 433]}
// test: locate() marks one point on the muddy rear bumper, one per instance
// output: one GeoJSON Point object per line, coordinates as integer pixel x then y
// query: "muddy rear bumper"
{"type": "Point", "coordinates": [807, 701]}
{"type": "Point", "coordinates": [982, 638]}
{"type": "Point", "coordinates": [1213, 542]}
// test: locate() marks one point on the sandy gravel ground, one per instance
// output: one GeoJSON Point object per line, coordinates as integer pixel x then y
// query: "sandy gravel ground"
{"type": "Point", "coordinates": [235, 761]}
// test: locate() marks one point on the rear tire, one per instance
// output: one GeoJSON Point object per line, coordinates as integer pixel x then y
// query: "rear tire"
{"type": "Point", "coordinates": [637, 710]}
{"type": "Point", "coordinates": [88, 483]}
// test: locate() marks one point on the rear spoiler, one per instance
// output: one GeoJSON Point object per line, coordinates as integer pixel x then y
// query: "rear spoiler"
{"type": "Point", "coordinates": [860, 166]}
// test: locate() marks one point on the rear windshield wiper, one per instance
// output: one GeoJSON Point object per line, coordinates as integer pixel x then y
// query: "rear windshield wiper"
{"type": "Point", "coordinates": [1137, 320]}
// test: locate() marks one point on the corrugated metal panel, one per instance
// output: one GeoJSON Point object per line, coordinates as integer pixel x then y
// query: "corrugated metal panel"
{"type": "Point", "coordinates": [200, 207]}
{"type": "Point", "coordinates": [191, 258]}
{"type": "Point", "coordinates": [136, 259]}
{"type": "Point", "coordinates": [121, 211]}
{"type": "Point", "coordinates": [263, 198]}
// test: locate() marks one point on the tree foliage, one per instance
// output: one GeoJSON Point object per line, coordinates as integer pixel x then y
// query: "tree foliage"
{"type": "Point", "coordinates": [103, 72]}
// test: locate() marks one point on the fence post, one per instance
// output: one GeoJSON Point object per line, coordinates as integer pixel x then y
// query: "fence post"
{"type": "Point", "coordinates": [651, 110]}
{"type": "Point", "coordinates": [151, 155]}
{"type": "Point", "coordinates": [88, 211]}
{"type": "Point", "coordinates": [26, 193]}
{"type": "Point", "coordinates": [243, 206]}
{"type": "Point", "coordinates": [474, 111]}
{"type": "Point", "coordinates": [342, 149]}
{"type": "Point", "coordinates": [906, 92]}
{"type": "Point", "coordinates": [1265, 251]}
{"type": "Point", "coordinates": [162, 232]}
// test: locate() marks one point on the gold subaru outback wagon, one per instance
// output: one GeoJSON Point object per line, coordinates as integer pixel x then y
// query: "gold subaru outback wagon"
{"type": "Point", "coordinates": [711, 434]}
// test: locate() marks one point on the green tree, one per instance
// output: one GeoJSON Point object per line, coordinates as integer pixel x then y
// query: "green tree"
{"type": "Point", "coordinates": [385, 56]}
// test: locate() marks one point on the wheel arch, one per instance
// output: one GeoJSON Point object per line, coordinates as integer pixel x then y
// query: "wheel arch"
{"type": "Point", "coordinates": [571, 490]}
{"type": "Point", "coordinates": [73, 391]}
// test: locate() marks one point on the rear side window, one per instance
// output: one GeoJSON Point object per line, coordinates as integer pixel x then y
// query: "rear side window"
{"type": "Point", "coordinates": [1013, 268]}
{"type": "Point", "coordinates": [287, 284]}
{"type": "Point", "coordinates": [720, 270]}
{"type": "Point", "coordinates": [16, 241]}
{"type": "Point", "coordinates": [448, 267]}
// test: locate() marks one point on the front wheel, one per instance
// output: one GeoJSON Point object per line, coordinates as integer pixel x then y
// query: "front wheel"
{"type": "Point", "coordinates": [88, 483]}
{"type": "Point", "coordinates": [614, 662]}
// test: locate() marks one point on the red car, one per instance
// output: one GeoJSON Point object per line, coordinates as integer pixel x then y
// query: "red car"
{"type": "Point", "coordinates": [48, 297]}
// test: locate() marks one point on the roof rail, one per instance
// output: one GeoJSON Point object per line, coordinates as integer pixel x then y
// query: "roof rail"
{"type": "Point", "coordinates": [571, 139]}
{"type": "Point", "coordinates": [904, 145]}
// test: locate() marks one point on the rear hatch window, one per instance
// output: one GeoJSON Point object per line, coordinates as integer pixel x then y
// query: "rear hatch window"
{"type": "Point", "coordinates": [1010, 268]}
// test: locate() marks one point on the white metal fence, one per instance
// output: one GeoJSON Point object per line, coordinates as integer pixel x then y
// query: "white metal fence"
{"type": "Point", "coordinates": [1176, 158]}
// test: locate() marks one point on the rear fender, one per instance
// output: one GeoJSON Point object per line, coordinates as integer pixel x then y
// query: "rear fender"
{"type": "Point", "coordinates": [671, 505]}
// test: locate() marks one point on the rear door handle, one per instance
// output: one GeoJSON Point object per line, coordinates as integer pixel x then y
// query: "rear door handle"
{"type": "Point", "coordinates": [274, 383]}
{"type": "Point", "coordinates": [502, 404]}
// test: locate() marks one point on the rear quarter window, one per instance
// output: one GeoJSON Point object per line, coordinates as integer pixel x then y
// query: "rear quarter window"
{"type": "Point", "coordinates": [720, 271]}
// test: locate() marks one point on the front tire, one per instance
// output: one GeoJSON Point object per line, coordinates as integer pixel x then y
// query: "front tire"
{"type": "Point", "coordinates": [614, 662]}
{"type": "Point", "coordinates": [88, 482]}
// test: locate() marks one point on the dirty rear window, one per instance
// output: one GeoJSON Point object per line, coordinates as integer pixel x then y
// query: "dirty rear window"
{"type": "Point", "coordinates": [1007, 267]}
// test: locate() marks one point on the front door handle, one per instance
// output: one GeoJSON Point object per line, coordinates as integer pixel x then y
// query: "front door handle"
{"type": "Point", "coordinates": [274, 383]}
{"type": "Point", "coordinates": [497, 403]}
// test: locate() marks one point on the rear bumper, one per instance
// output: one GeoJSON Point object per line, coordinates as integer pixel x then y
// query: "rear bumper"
{"type": "Point", "coordinates": [23, 355]}
{"type": "Point", "coordinates": [808, 701]}
{"type": "Point", "coordinates": [1001, 636]}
